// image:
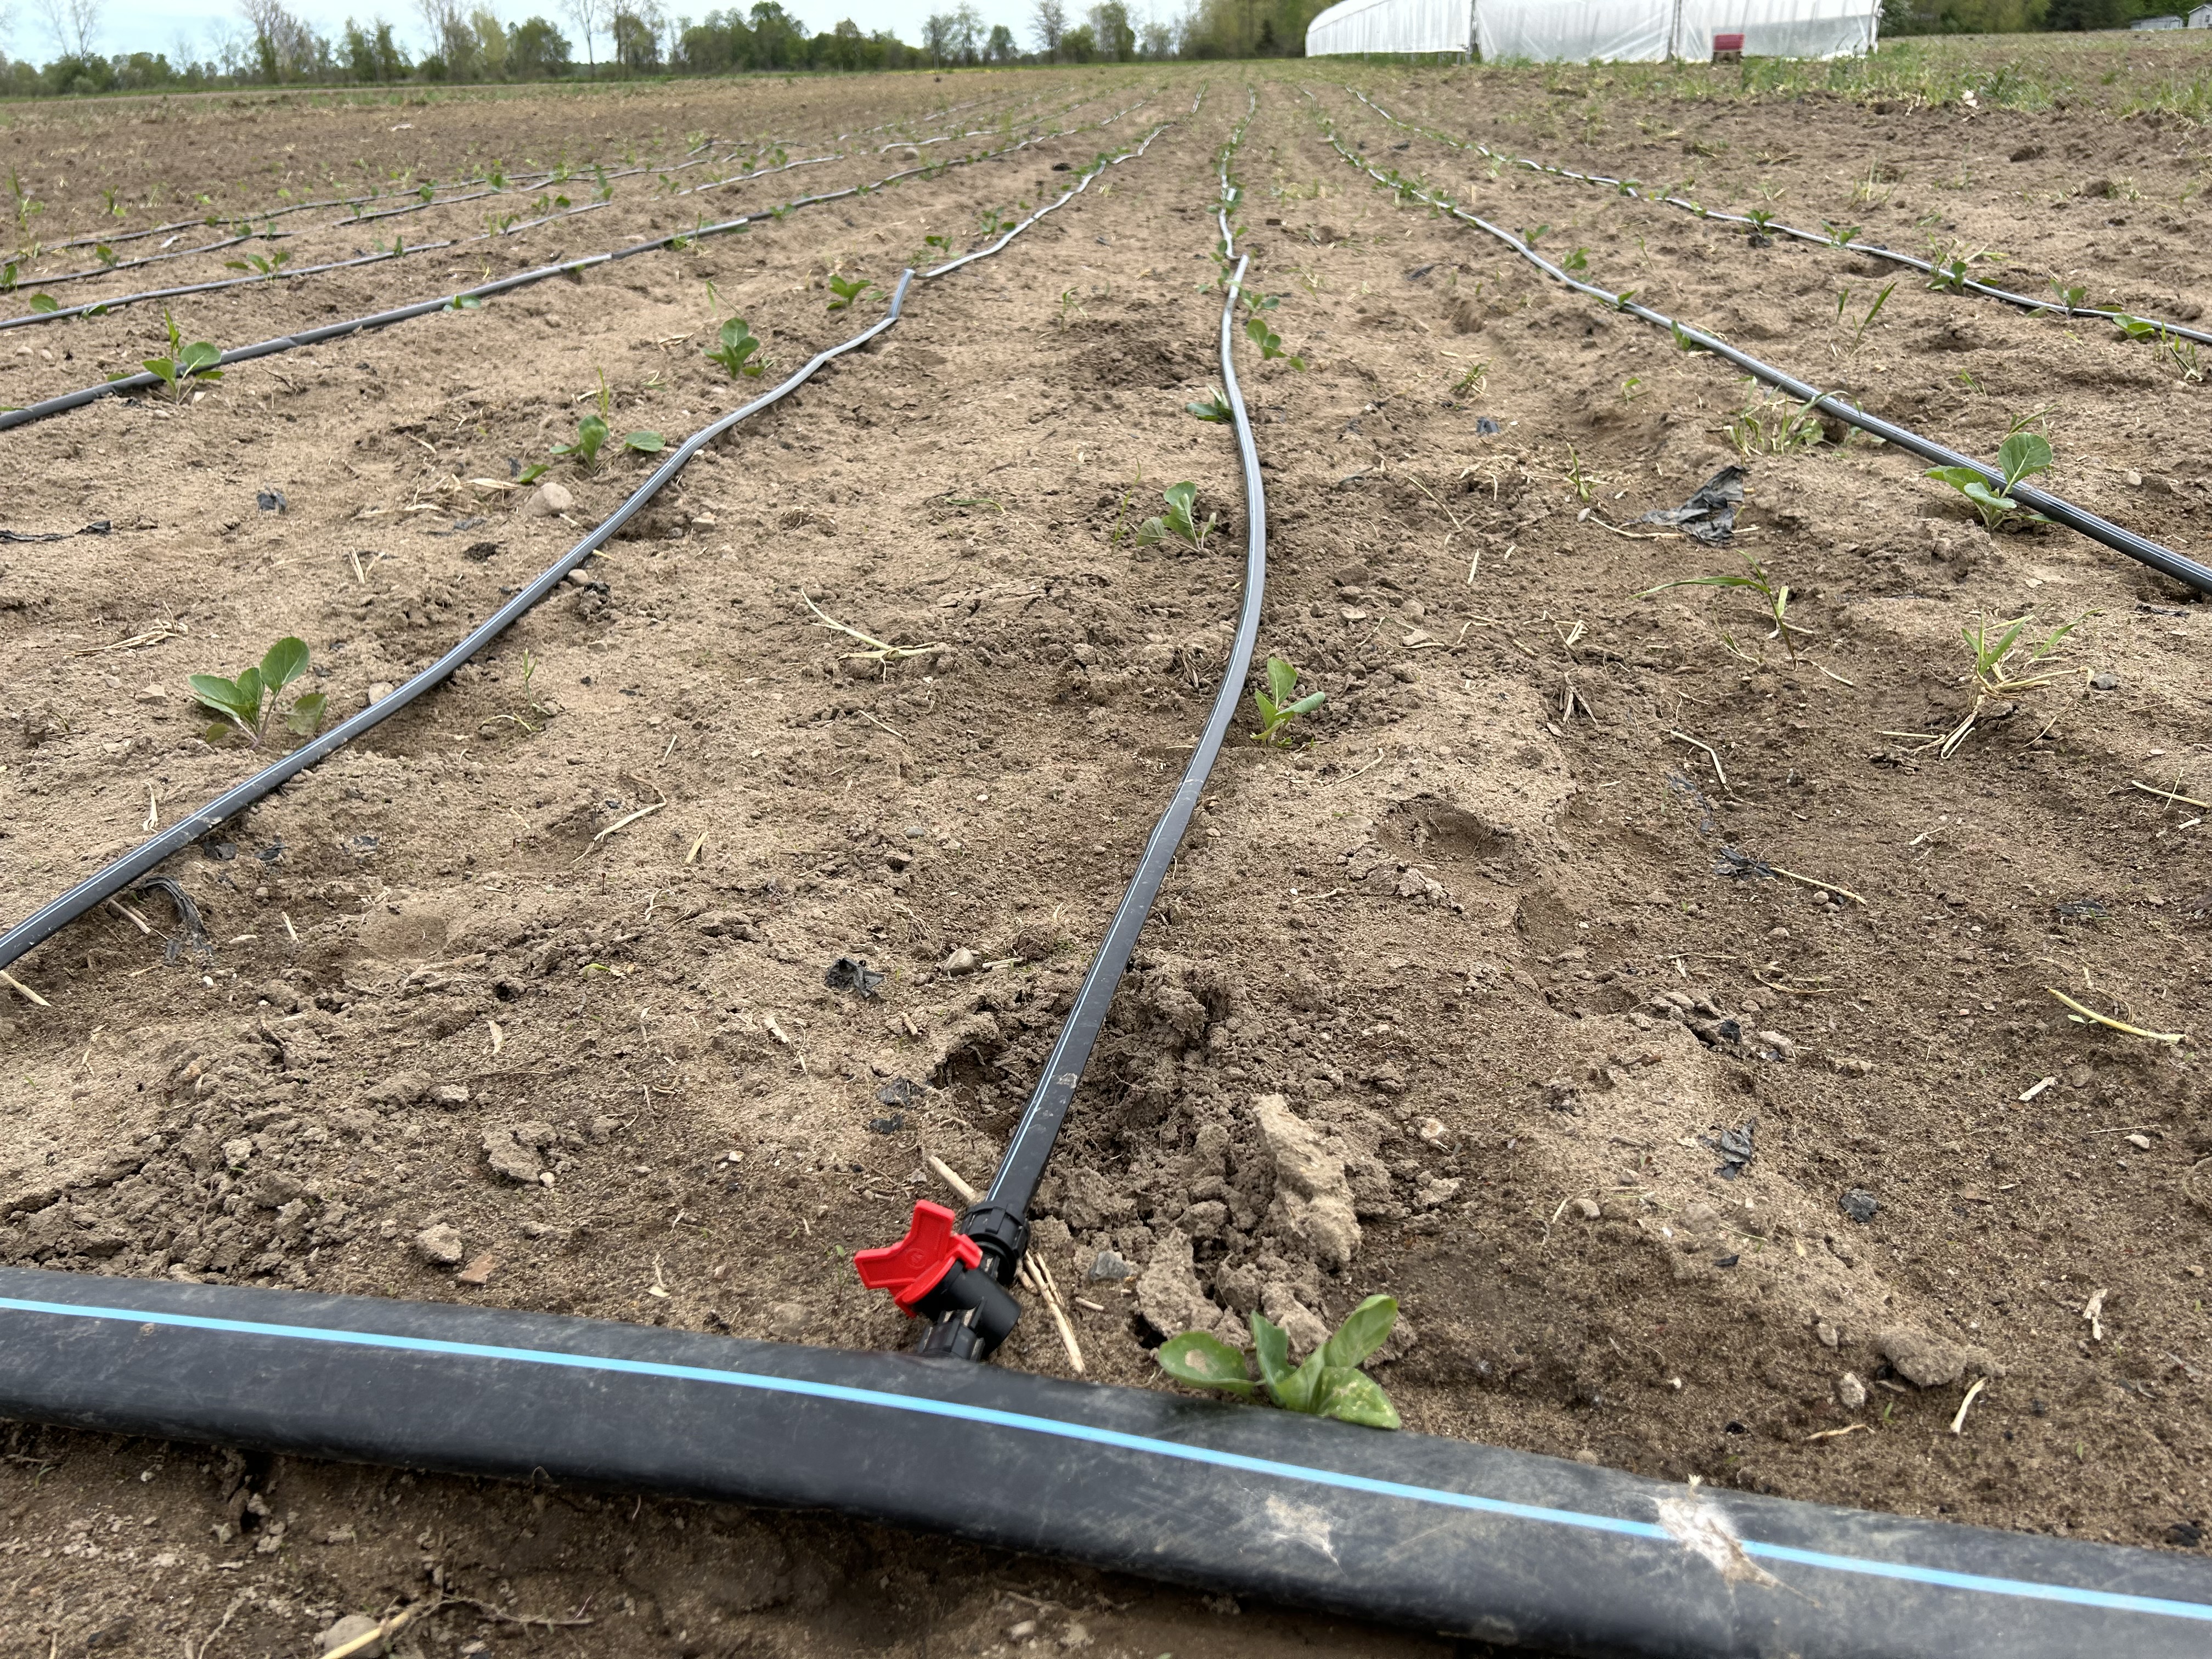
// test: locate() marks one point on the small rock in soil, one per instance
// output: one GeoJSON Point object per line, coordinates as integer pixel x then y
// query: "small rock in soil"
{"type": "Point", "coordinates": [962, 961]}
{"type": "Point", "coordinates": [510, 1157]}
{"type": "Point", "coordinates": [1921, 1358]}
{"type": "Point", "coordinates": [900, 1091]}
{"type": "Point", "coordinates": [1850, 1391]}
{"type": "Point", "coordinates": [478, 1271]}
{"type": "Point", "coordinates": [350, 1628]}
{"type": "Point", "coordinates": [2141, 1143]}
{"type": "Point", "coordinates": [548, 500]}
{"type": "Point", "coordinates": [1587, 1208]}
{"type": "Point", "coordinates": [1860, 1205]}
{"type": "Point", "coordinates": [1110, 1267]}
{"type": "Point", "coordinates": [440, 1245]}
{"type": "Point", "coordinates": [1828, 1334]}
{"type": "Point", "coordinates": [2104, 680]}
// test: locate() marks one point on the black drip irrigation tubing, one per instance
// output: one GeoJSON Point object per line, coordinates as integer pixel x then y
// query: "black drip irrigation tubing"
{"type": "Point", "coordinates": [1775, 227]}
{"type": "Point", "coordinates": [63, 403]}
{"type": "Point", "coordinates": [142, 860]}
{"type": "Point", "coordinates": [2164, 560]}
{"type": "Point", "coordinates": [99, 308]}
{"type": "Point", "coordinates": [1439, 1534]}
{"type": "Point", "coordinates": [969, 1313]}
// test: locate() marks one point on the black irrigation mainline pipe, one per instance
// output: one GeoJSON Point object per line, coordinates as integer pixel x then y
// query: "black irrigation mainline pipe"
{"type": "Point", "coordinates": [2162, 559]}
{"type": "Point", "coordinates": [64, 402]}
{"type": "Point", "coordinates": [1442, 1535]}
{"type": "Point", "coordinates": [960, 1288]}
{"type": "Point", "coordinates": [1775, 227]}
{"type": "Point", "coordinates": [142, 860]}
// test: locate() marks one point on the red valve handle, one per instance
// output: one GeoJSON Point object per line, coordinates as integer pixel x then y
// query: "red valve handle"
{"type": "Point", "coordinates": [917, 1264]}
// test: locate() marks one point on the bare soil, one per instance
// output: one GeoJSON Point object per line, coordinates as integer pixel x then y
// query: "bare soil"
{"type": "Point", "coordinates": [1500, 933]}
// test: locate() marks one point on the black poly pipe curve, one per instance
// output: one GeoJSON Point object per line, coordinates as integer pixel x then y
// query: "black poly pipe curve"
{"type": "Point", "coordinates": [1873, 250]}
{"type": "Point", "coordinates": [59, 913]}
{"type": "Point", "coordinates": [1404, 1528]}
{"type": "Point", "coordinates": [1021, 1166]}
{"type": "Point", "coordinates": [2056, 509]}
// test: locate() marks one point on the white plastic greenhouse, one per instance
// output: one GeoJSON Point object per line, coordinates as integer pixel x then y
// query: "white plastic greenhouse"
{"type": "Point", "coordinates": [1641, 31]}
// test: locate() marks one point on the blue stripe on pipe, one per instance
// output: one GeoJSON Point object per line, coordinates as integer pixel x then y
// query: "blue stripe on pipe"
{"type": "Point", "coordinates": [2070, 1594]}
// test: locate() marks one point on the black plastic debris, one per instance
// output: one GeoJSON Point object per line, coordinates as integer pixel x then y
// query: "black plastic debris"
{"type": "Point", "coordinates": [270, 501]}
{"type": "Point", "coordinates": [1728, 1261]}
{"type": "Point", "coordinates": [2185, 1534]}
{"type": "Point", "coordinates": [1732, 861]}
{"type": "Point", "coordinates": [1683, 786]}
{"type": "Point", "coordinates": [191, 937]}
{"type": "Point", "coordinates": [1709, 516]}
{"type": "Point", "coordinates": [366, 843]}
{"type": "Point", "coordinates": [469, 523]}
{"type": "Point", "coordinates": [1485, 427]}
{"type": "Point", "coordinates": [1860, 1205]}
{"type": "Point", "coordinates": [221, 851]}
{"type": "Point", "coordinates": [1418, 272]}
{"type": "Point", "coordinates": [886, 1126]}
{"type": "Point", "coordinates": [97, 527]}
{"type": "Point", "coordinates": [901, 1092]}
{"type": "Point", "coordinates": [271, 852]}
{"type": "Point", "coordinates": [1733, 1146]}
{"type": "Point", "coordinates": [852, 974]}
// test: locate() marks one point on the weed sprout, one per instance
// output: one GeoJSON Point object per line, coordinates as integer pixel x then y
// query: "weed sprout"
{"type": "Point", "coordinates": [248, 703]}
{"type": "Point", "coordinates": [1776, 597]}
{"type": "Point", "coordinates": [1328, 1384]}
{"type": "Point", "coordinates": [1991, 646]}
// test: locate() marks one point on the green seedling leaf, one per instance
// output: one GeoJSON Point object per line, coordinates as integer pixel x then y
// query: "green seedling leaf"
{"type": "Point", "coordinates": [1351, 1397]}
{"type": "Point", "coordinates": [1216, 408]}
{"type": "Point", "coordinates": [465, 302]}
{"type": "Point", "coordinates": [1298, 1391]}
{"type": "Point", "coordinates": [2023, 455]}
{"type": "Point", "coordinates": [285, 662]}
{"type": "Point", "coordinates": [645, 443]}
{"type": "Point", "coordinates": [847, 289]}
{"type": "Point", "coordinates": [1282, 680]}
{"type": "Point", "coordinates": [226, 697]}
{"type": "Point", "coordinates": [45, 304]}
{"type": "Point", "coordinates": [735, 348]}
{"type": "Point", "coordinates": [307, 715]}
{"type": "Point", "coordinates": [1271, 1347]}
{"type": "Point", "coordinates": [590, 434]}
{"type": "Point", "coordinates": [1278, 705]}
{"type": "Point", "coordinates": [1197, 1357]}
{"type": "Point", "coordinates": [1578, 260]}
{"type": "Point", "coordinates": [1365, 1329]}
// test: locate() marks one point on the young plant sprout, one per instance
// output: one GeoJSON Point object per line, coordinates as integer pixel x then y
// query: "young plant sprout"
{"type": "Point", "coordinates": [248, 703]}
{"type": "Point", "coordinates": [1949, 276]}
{"type": "Point", "coordinates": [1839, 235]}
{"type": "Point", "coordinates": [736, 350]}
{"type": "Point", "coordinates": [2022, 455]}
{"type": "Point", "coordinates": [195, 362]}
{"type": "Point", "coordinates": [2070, 299]}
{"type": "Point", "coordinates": [847, 289]}
{"type": "Point", "coordinates": [1991, 646]}
{"type": "Point", "coordinates": [1777, 598]}
{"type": "Point", "coordinates": [1216, 408]}
{"type": "Point", "coordinates": [1269, 342]}
{"type": "Point", "coordinates": [1279, 706]}
{"type": "Point", "coordinates": [1866, 319]}
{"type": "Point", "coordinates": [254, 265]}
{"type": "Point", "coordinates": [1471, 382]}
{"type": "Point", "coordinates": [1177, 522]}
{"type": "Point", "coordinates": [1328, 1384]}
{"type": "Point", "coordinates": [1578, 260]}
{"type": "Point", "coordinates": [592, 432]}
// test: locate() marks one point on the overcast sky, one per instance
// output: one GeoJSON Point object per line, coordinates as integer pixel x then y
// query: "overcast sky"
{"type": "Point", "coordinates": [146, 25]}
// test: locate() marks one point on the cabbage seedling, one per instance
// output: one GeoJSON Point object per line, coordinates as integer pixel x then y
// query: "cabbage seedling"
{"type": "Point", "coordinates": [1216, 408]}
{"type": "Point", "coordinates": [736, 349]}
{"type": "Point", "coordinates": [847, 289]}
{"type": "Point", "coordinates": [2022, 455]}
{"type": "Point", "coordinates": [1328, 1384]}
{"type": "Point", "coordinates": [195, 362]}
{"type": "Point", "coordinates": [1177, 522]}
{"type": "Point", "coordinates": [1270, 342]}
{"type": "Point", "coordinates": [1278, 706]}
{"type": "Point", "coordinates": [248, 703]}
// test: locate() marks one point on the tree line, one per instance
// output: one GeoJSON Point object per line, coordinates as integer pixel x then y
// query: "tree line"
{"type": "Point", "coordinates": [270, 45]}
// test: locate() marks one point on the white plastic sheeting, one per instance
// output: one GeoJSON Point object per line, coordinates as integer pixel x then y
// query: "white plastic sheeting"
{"type": "Point", "coordinates": [1584, 31]}
{"type": "Point", "coordinates": [1354, 27]}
